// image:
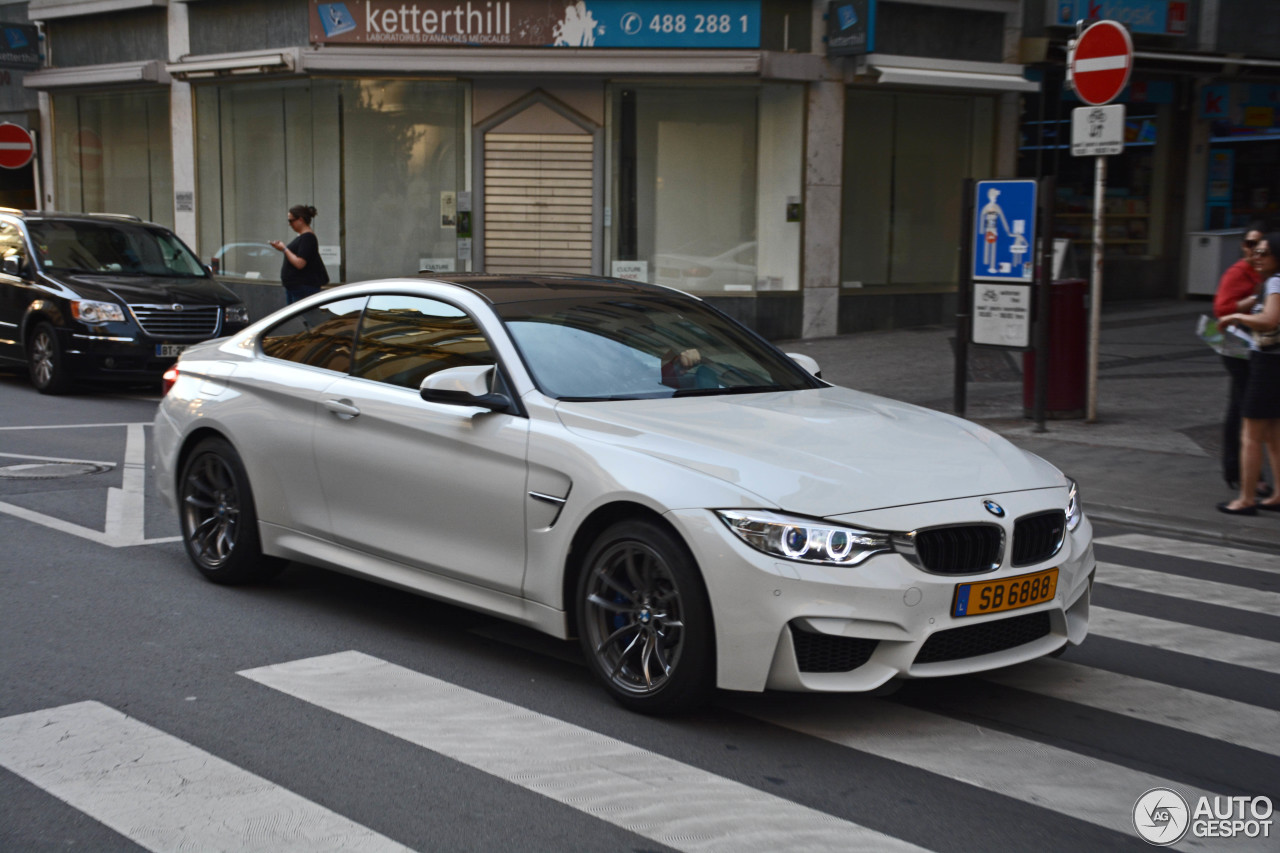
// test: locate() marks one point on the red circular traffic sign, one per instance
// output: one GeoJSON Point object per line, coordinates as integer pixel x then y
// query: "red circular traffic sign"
{"type": "Point", "coordinates": [16, 147]}
{"type": "Point", "coordinates": [1101, 62]}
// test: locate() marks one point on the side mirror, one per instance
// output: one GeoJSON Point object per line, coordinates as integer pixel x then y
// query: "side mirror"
{"type": "Point", "coordinates": [809, 363]}
{"type": "Point", "coordinates": [465, 386]}
{"type": "Point", "coordinates": [11, 265]}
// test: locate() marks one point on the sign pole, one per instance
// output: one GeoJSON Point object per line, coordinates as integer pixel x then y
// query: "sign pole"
{"type": "Point", "coordinates": [1044, 294]}
{"type": "Point", "coordinates": [36, 163]}
{"type": "Point", "coordinates": [963, 301]}
{"type": "Point", "coordinates": [1095, 286]}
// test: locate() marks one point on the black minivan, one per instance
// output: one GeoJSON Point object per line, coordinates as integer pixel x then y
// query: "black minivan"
{"type": "Point", "coordinates": [103, 297]}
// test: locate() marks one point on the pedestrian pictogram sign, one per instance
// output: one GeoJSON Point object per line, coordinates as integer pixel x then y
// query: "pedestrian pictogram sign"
{"type": "Point", "coordinates": [1100, 62]}
{"type": "Point", "coordinates": [16, 147]}
{"type": "Point", "coordinates": [1004, 230]}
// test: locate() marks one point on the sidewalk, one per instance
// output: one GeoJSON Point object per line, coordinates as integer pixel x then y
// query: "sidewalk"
{"type": "Point", "coordinates": [1151, 461]}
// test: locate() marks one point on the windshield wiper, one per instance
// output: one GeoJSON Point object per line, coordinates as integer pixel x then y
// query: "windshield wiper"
{"type": "Point", "coordinates": [733, 389]}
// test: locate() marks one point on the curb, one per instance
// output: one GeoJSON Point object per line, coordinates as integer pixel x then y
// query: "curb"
{"type": "Point", "coordinates": [1181, 528]}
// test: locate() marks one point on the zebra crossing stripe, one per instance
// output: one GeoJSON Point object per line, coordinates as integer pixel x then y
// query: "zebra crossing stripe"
{"type": "Point", "coordinates": [1226, 720]}
{"type": "Point", "coordinates": [1190, 589]}
{"type": "Point", "coordinates": [1080, 787]}
{"type": "Point", "coordinates": [659, 798]}
{"type": "Point", "coordinates": [165, 794]}
{"type": "Point", "coordinates": [1192, 640]}
{"type": "Point", "coordinates": [1223, 556]}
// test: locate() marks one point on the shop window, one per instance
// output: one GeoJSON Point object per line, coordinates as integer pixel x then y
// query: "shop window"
{"type": "Point", "coordinates": [114, 154]}
{"type": "Point", "coordinates": [380, 160]}
{"type": "Point", "coordinates": [705, 186]}
{"type": "Point", "coordinates": [902, 205]}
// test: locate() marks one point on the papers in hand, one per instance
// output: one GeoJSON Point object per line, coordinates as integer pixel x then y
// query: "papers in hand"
{"type": "Point", "coordinates": [1234, 342]}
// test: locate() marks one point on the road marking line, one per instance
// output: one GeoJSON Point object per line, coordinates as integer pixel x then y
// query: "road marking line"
{"type": "Point", "coordinates": [1192, 640]}
{"type": "Point", "coordinates": [1059, 780]}
{"type": "Point", "coordinates": [163, 793]}
{"type": "Point", "coordinates": [664, 800]}
{"type": "Point", "coordinates": [1190, 589]}
{"type": "Point", "coordinates": [58, 459]}
{"type": "Point", "coordinates": [1191, 711]}
{"type": "Point", "coordinates": [43, 427]}
{"type": "Point", "coordinates": [125, 524]}
{"type": "Point", "coordinates": [1221, 555]}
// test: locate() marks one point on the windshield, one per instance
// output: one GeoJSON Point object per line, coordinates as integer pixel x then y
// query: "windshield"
{"type": "Point", "coordinates": [113, 248]}
{"type": "Point", "coordinates": [628, 348]}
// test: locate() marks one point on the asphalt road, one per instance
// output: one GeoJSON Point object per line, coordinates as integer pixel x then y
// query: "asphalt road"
{"type": "Point", "coordinates": [144, 708]}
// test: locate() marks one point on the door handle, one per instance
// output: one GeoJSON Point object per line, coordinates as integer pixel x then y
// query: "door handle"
{"type": "Point", "coordinates": [342, 408]}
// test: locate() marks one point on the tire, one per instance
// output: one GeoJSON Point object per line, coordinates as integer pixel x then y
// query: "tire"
{"type": "Point", "coordinates": [217, 516]}
{"type": "Point", "coordinates": [45, 363]}
{"type": "Point", "coordinates": [644, 621]}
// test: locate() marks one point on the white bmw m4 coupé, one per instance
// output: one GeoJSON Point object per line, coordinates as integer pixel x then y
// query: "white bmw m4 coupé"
{"type": "Point", "coordinates": [622, 463]}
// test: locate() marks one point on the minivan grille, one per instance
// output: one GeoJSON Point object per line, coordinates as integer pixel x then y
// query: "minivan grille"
{"type": "Point", "coordinates": [1038, 537]}
{"type": "Point", "coordinates": [959, 550]}
{"type": "Point", "coordinates": [162, 321]}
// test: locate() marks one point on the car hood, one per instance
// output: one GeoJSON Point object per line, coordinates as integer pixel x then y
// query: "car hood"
{"type": "Point", "coordinates": [152, 289]}
{"type": "Point", "coordinates": [823, 452]}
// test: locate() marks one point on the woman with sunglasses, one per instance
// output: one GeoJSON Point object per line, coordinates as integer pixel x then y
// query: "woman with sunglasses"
{"type": "Point", "coordinates": [302, 272]}
{"type": "Point", "coordinates": [1260, 407]}
{"type": "Point", "coordinates": [1237, 293]}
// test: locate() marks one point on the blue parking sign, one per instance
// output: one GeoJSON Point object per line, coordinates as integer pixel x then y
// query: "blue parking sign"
{"type": "Point", "coordinates": [1004, 231]}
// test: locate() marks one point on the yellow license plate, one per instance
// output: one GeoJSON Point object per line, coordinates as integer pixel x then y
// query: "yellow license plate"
{"type": "Point", "coordinates": [974, 599]}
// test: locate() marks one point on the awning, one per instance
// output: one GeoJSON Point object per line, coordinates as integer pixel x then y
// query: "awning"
{"type": "Point", "coordinates": [250, 62]}
{"type": "Point", "coordinates": [80, 76]}
{"type": "Point", "coordinates": [945, 73]}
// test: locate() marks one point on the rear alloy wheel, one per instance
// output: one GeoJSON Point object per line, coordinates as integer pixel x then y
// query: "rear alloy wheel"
{"type": "Point", "coordinates": [219, 524]}
{"type": "Point", "coordinates": [644, 620]}
{"type": "Point", "coordinates": [45, 362]}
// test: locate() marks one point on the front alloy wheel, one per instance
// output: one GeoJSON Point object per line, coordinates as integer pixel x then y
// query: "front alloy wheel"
{"type": "Point", "coordinates": [45, 363]}
{"type": "Point", "coordinates": [219, 525]}
{"type": "Point", "coordinates": [644, 621]}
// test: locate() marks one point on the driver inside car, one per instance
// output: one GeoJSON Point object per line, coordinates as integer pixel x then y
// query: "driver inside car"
{"type": "Point", "coordinates": [683, 370]}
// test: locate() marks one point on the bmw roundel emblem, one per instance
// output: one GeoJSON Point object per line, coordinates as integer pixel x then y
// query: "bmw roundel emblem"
{"type": "Point", "coordinates": [994, 508]}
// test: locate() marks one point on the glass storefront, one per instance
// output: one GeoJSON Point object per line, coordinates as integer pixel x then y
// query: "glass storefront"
{"type": "Point", "coordinates": [113, 154]}
{"type": "Point", "coordinates": [905, 159]}
{"type": "Point", "coordinates": [380, 160]}
{"type": "Point", "coordinates": [702, 179]}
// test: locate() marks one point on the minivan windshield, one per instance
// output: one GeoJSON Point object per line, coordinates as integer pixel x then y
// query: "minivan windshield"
{"type": "Point", "coordinates": [111, 248]}
{"type": "Point", "coordinates": [637, 347]}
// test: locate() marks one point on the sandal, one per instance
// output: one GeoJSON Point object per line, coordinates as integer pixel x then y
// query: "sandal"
{"type": "Point", "coordinates": [1225, 506]}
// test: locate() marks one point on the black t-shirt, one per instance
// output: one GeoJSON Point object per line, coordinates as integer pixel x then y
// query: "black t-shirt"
{"type": "Point", "coordinates": [307, 247]}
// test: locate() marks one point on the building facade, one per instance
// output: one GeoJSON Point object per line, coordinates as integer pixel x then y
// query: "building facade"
{"type": "Point", "coordinates": [797, 162]}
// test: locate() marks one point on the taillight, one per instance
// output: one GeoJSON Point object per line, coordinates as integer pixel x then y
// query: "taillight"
{"type": "Point", "coordinates": [166, 381]}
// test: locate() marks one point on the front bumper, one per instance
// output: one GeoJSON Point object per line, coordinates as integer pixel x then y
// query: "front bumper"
{"type": "Point", "coordinates": [127, 355]}
{"type": "Point", "coordinates": [878, 619]}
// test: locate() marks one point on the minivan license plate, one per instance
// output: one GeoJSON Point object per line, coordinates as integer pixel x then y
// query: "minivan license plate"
{"type": "Point", "coordinates": [974, 599]}
{"type": "Point", "coordinates": [169, 350]}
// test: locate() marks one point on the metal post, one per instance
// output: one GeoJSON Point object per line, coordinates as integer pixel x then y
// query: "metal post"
{"type": "Point", "coordinates": [1043, 294]}
{"type": "Point", "coordinates": [1095, 288]}
{"type": "Point", "coordinates": [36, 163]}
{"type": "Point", "coordinates": [964, 298]}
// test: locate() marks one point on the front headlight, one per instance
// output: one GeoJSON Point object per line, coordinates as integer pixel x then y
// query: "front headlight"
{"type": "Point", "coordinates": [89, 311]}
{"type": "Point", "coordinates": [1074, 511]}
{"type": "Point", "coordinates": [237, 314]}
{"type": "Point", "coordinates": [803, 539]}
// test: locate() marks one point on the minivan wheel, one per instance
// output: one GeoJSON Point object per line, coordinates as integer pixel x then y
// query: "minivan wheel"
{"type": "Point", "coordinates": [644, 620]}
{"type": "Point", "coordinates": [219, 523]}
{"type": "Point", "coordinates": [45, 362]}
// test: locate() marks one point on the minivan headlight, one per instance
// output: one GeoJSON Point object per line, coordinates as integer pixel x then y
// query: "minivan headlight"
{"type": "Point", "coordinates": [1074, 511]}
{"type": "Point", "coordinates": [803, 539]}
{"type": "Point", "coordinates": [89, 311]}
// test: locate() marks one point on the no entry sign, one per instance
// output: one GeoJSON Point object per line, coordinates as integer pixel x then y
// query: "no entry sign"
{"type": "Point", "coordinates": [16, 148]}
{"type": "Point", "coordinates": [1101, 62]}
